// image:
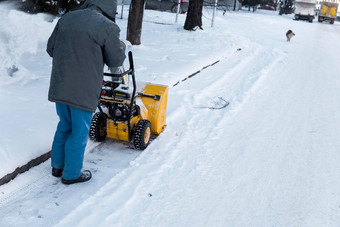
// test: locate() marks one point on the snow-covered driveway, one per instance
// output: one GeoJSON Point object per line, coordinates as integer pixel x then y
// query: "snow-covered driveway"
{"type": "Point", "coordinates": [269, 158]}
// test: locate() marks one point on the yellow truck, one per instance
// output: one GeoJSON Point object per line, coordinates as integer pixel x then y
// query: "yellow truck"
{"type": "Point", "coordinates": [328, 12]}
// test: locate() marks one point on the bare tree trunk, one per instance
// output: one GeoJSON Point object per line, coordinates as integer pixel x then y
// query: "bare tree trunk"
{"type": "Point", "coordinates": [135, 20]}
{"type": "Point", "coordinates": [194, 15]}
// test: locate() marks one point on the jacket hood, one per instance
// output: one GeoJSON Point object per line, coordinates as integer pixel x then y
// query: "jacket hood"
{"type": "Point", "coordinates": [109, 7]}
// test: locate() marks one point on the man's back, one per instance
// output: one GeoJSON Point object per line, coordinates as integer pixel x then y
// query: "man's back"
{"type": "Point", "coordinates": [82, 42]}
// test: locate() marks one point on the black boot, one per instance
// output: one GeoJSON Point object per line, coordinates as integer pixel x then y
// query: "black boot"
{"type": "Point", "coordinates": [57, 172]}
{"type": "Point", "coordinates": [85, 176]}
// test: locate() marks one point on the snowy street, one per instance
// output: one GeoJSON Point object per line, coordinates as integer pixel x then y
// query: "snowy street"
{"type": "Point", "coordinates": [252, 140]}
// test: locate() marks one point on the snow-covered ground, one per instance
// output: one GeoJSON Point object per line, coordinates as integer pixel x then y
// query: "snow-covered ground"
{"type": "Point", "coordinates": [270, 158]}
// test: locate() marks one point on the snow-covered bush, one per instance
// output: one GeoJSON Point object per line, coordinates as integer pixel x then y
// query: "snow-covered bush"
{"type": "Point", "coordinates": [20, 33]}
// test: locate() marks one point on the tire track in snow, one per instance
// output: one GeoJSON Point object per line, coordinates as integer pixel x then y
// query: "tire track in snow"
{"type": "Point", "coordinates": [236, 84]}
{"type": "Point", "coordinates": [48, 194]}
{"type": "Point", "coordinates": [232, 79]}
{"type": "Point", "coordinates": [23, 186]}
{"type": "Point", "coordinates": [192, 136]}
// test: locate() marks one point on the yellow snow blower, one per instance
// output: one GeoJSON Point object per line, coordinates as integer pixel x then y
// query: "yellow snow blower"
{"type": "Point", "coordinates": [127, 114]}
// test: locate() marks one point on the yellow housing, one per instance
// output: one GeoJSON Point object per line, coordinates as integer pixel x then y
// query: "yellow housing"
{"type": "Point", "coordinates": [120, 130]}
{"type": "Point", "coordinates": [155, 109]}
{"type": "Point", "coordinates": [151, 109]}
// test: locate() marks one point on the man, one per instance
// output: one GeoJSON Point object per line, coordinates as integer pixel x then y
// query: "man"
{"type": "Point", "coordinates": [81, 43]}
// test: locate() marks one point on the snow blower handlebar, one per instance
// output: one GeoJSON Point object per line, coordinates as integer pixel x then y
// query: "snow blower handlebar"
{"type": "Point", "coordinates": [130, 71]}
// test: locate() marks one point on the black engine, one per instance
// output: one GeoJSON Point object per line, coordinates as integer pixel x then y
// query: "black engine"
{"type": "Point", "coordinates": [118, 111]}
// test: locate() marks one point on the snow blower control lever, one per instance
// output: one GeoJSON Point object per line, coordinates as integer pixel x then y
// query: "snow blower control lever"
{"type": "Point", "coordinates": [130, 71]}
{"type": "Point", "coordinates": [155, 97]}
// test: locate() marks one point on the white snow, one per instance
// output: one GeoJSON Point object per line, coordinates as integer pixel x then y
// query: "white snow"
{"type": "Point", "coordinates": [270, 158]}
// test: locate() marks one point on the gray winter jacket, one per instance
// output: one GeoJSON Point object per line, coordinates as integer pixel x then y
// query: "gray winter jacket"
{"type": "Point", "coordinates": [82, 41]}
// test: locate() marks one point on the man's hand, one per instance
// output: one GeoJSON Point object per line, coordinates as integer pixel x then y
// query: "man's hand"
{"type": "Point", "coordinates": [127, 43]}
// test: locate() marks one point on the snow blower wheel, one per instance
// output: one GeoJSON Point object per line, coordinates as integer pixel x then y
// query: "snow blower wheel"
{"type": "Point", "coordinates": [98, 127]}
{"type": "Point", "coordinates": [142, 134]}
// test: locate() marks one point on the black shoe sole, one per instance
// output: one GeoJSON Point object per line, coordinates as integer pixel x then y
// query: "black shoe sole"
{"type": "Point", "coordinates": [82, 178]}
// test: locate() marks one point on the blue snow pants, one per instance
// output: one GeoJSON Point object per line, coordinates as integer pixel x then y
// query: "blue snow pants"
{"type": "Point", "coordinates": [70, 140]}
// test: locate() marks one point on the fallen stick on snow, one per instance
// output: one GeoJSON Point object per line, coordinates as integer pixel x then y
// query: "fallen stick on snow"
{"type": "Point", "coordinates": [34, 162]}
{"type": "Point", "coordinates": [207, 66]}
